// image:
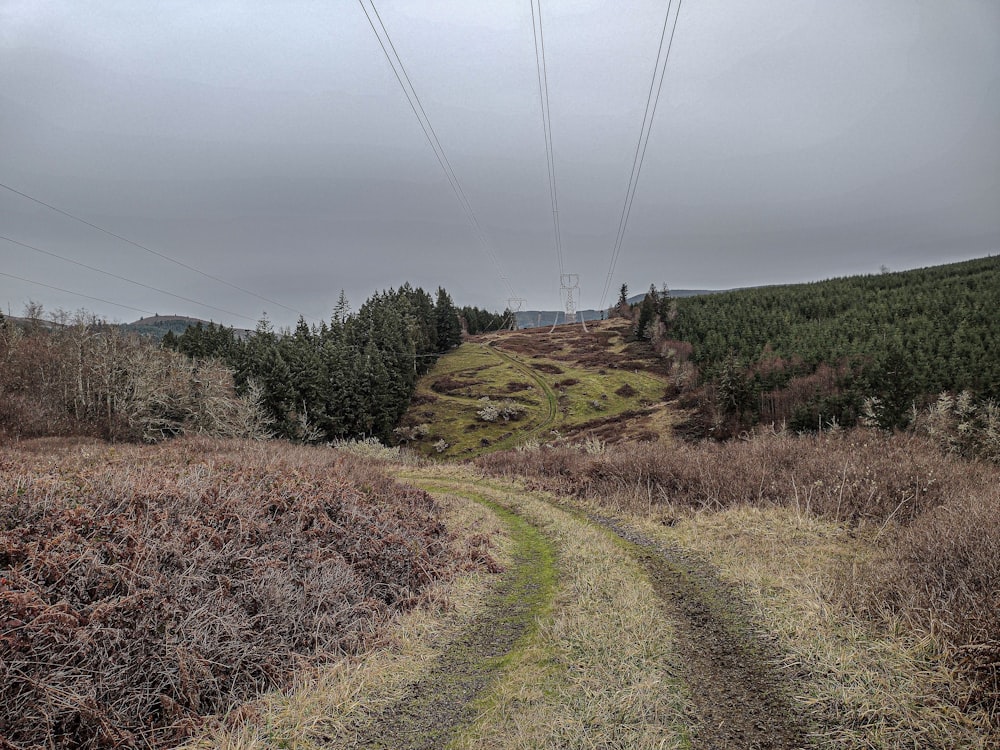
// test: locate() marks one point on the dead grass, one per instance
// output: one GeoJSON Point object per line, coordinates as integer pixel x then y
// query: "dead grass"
{"type": "Point", "coordinates": [902, 606]}
{"type": "Point", "coordinates": [335, 703]}
{"type": "Point", "coordinates": [142, 588]}
{"type": "Point", "coordinates": [941, 575]}
{"type": "Point", "coordinates": [864, 686]}
{"type": "Point", "coordinates": [859, 476]}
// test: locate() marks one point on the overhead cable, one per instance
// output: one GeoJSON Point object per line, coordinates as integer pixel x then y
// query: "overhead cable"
{"type": "Point", "coordinates": [123, 278]}
{"type": "Point", "coordinates": [76, 294]}
{"type": "Point", "coordinates": [543, 95]}
{"type": "Point", "coordinates": [158, 254]}
{"type": "Point", "coordinates": [396, 63]}
{"type": "Point", "coordinates": [659, 72]}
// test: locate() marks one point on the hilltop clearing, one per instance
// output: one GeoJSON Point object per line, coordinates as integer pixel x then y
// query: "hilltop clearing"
{"type": "Point", "coordinates": [505, 389]}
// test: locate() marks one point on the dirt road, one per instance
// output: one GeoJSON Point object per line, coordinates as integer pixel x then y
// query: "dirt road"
{"type": "Point", "coordinates": [598, 637]}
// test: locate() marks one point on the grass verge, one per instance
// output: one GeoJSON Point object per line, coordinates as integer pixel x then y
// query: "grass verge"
{"type": "Point", "coordinates": [862, 687]}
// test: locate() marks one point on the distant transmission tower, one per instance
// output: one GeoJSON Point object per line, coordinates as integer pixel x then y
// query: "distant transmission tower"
{"type": "Point", "coordinates": [569, 288]}
{"type": "Point", "coordinates": [514, 304]}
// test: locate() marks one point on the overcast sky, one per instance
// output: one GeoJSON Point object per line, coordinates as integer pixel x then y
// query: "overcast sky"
{"type": "Point", "coordinates": [269, 144]}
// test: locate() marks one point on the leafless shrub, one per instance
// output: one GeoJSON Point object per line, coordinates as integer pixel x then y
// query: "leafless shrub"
{"type": "Point", "coordinates": [506, 410]}
{"type": "Point", "coordinates": [142, 588]}
{"type": "Point", "coordinates": [960, 425]}
{"type": "Point", "coordinates": [92, 379]}
{"type": "Point", "coordinates": [855, 476]}
{"type": "Point", "coordinates": [940, 575]}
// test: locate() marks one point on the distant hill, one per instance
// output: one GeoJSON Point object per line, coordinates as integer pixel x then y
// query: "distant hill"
{"type": "Point", "coordinates": [156, 326]}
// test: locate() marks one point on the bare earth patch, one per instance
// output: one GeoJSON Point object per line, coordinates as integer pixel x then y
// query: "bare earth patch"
{"type": "Point", "coordinates": [739, 698]}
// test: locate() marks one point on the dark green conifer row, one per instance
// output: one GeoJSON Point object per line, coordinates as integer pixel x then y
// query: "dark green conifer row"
{"type": "Point", "coordinates": [897, 336]}
{"type": "Point", "coordinates": [352, 377]}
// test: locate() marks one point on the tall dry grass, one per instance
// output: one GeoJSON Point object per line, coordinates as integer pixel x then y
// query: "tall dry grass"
{"type": "Point", "coordinates": [142, 588]}
{"type": "Point", "coordinates": [854, 476]}
{"type": "Point", "coordinates": [932, 519]}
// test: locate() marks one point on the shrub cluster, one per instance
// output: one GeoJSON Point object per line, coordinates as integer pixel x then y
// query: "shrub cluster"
{"type": "Point", "coordinates": [506, 410]}
{"type": "Point", "coordinates": [848, 476]}
{"type": "Point", "coordinates": [142, 588]}
{"type": "Point", "coordinates": [941, 574]}
{"type": "Point", "coordinates": [93, 379]}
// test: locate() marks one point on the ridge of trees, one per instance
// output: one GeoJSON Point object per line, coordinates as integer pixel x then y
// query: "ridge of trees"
{"type": "Point", "coordinates": [349, 378]}
{"type": "Point", "coordinates": [869, 346]}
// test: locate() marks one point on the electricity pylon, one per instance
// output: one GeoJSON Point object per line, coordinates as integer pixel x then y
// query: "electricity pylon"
{"type": "Point", "coordinates": [569, 287]}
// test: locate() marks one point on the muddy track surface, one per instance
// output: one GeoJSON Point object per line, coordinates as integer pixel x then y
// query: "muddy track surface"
{"type": "Point", "coordinates": [438, 705]}
{"type": "Point", "coordinates": [738, 698]}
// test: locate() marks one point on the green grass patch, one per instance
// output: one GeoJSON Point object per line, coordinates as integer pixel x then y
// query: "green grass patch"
{"type": "Point", "coordinates": [555, 397]}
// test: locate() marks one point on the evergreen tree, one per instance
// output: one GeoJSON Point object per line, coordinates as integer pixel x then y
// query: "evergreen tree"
{"type": "Point", "coordinates": [623, 308]}
{"type": "Point", "coordinates": [449, 327]}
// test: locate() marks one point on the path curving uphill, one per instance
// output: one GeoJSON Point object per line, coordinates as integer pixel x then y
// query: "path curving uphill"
{"type": "Point", "coordinates": [593, 636]}
{"type": "Point", "coordinates": [551, 399]}
{"type": "Point", "coordinates": [675, 663]}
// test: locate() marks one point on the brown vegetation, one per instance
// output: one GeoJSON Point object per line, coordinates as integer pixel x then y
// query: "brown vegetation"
{"type": "Point", "coordinates": [447, 384]}
{"type": "Point", "coordinates": [143, 588]}
{"type": "Point", "coordinates": [933, 519]}
{"type": "Point", "coordinates": [626, 391]}
{"type": "Point", "coordinates": [92, 379]}
{"type": "Point", "coordinates": [547, 367]}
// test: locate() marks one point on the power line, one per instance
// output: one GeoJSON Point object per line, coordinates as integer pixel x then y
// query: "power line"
{"type": "Point", "coordinates": [640, 148]}
{"type": "Point", "coordinates": [396, 63]}
{"type": "Point", "coordinates": [77, 294]}
{"type": "Point", "coordinates": [122, 278]}
{"type": "Point", "coordinates": [158, 254]}
{"type": "Point", "coordinates": [543, 95]}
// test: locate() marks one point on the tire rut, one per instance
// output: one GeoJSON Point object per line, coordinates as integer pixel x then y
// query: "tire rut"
{"type": "Point", "coordinates": [552, 401]}
{"type": "Point", "coordinates": [439, 704]}
{"type": "Point", "coordinates": [738, 698]}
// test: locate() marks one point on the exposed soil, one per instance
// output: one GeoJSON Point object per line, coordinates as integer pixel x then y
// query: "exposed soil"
{"type": "Point", "coordinates": [738, 698]}
{"type": "Point", "coordinates": [443, 701]}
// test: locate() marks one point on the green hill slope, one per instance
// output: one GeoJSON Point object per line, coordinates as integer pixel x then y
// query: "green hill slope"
{"type": "Point", "coordinates": [898, 336]}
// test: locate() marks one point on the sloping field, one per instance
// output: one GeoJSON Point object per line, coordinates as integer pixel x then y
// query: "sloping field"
{"type": "Point", "coordinates": [592, 385]}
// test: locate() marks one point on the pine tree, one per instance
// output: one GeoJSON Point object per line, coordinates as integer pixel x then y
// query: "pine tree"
{"type": "Point", "coordinates": [623, 308]}
{"type": "Point", "coordinates": [449, 327]}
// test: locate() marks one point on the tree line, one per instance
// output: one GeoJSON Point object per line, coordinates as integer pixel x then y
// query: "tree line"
{"type": "Point", "coordinates": [839, 350]}
{"type": "Point", "coordinates": [347, 378]}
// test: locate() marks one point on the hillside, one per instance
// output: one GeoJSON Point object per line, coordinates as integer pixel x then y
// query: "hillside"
{"type": "Point", "coordinates": [812, 353]}
{"type": "Point", "coordinates": [504, 389]}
